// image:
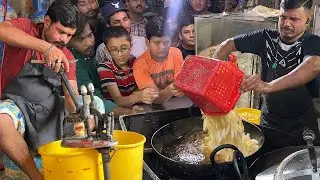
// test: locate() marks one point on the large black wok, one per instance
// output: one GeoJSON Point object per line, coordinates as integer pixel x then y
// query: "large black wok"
{"type": "Point", "coordinates": [171, 132]}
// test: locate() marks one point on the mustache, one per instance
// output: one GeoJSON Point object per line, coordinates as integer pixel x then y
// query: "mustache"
{"type": "Point", "coordinates": [287, 28]}
{"type": "Point", "coordinates": [92, 12]}
{"type": "Point", "coordinates": [59, 44]}
{"type": "Point", "coordinates": [90, 49]}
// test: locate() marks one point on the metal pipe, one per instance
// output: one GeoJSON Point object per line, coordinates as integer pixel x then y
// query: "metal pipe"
{"type": "Point", "coordinates": [109, 126]}
{"type": "Point", "coordinates": [85, 112]}
{"type": "Point", "coordinates": [75, 99]}
{"type": "Point", "coordinates": [112, 124]}
{"type": "Point", "coordinates": [106, 158]}
{"type": "Point", "coordinates": [106, 166]}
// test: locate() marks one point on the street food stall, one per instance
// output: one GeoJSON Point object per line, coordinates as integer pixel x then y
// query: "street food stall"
{"type": "Point", "coordinates": [299, 162]}
{"type": "Point", "coordinates": [168, 131]}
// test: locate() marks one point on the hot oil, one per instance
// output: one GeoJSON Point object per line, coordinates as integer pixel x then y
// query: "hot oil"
{"type": "Point", "coordinates": [188, 148]}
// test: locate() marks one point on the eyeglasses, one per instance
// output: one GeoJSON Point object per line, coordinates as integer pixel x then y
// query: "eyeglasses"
{"type": "Point", "coordinates": [124, 50]}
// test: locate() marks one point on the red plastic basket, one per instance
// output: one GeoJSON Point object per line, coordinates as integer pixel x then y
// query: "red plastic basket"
{"type": "Point", "coordinates": [211, 84]}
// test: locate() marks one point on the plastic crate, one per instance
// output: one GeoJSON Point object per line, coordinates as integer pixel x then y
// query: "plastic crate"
{"type": "Point", "coordinates": [211, 84]}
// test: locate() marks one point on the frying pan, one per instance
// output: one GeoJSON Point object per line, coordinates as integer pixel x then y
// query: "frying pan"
{"type": "Point", "coordinates": [172, 131]}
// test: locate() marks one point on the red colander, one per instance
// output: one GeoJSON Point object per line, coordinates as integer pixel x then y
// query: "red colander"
{"type": "Point", "coordinates": [212, 84]}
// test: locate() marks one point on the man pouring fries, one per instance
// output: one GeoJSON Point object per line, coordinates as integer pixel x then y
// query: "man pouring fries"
{"type": "Point", "coordinates": [290, 59]}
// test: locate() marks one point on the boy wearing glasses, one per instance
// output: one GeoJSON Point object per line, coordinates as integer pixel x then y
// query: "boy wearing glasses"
{"type": "Point", "coordinates": [160, 64]}
{"type": "Point", "coordinates": [116, 75]}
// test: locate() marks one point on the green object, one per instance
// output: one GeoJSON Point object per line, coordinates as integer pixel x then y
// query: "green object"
{"type": "Point", "coordinates": [274, 65]}
{"type": "Point", "coordinates": [87, 73]}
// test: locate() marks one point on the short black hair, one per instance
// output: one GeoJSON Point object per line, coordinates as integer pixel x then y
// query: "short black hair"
{"type": "Point", "coordinates": [115, 32]}
{"type": "Point", "coordinates": [156, 26]}
{"type": "Point", "coordinates": [294, 4]}
{"type": "Point", "coordinates": [83, 21]}
{"type": "Point", "coordinates": [64, 12]}
{"type": "Point", "coordinates": [185, 20]}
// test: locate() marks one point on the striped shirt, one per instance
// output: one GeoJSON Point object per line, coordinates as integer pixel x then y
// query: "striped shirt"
{"type": "Point", "coordinates": [111, 74]}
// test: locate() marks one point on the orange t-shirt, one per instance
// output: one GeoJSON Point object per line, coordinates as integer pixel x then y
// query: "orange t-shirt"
{"type": "Point", "coordinates": [148, 72]}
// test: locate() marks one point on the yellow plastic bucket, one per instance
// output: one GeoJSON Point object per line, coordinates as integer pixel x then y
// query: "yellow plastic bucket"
{"type": "Point", "coordinates": [69, 163]}
{"type": "Point", "coordinates": [249, 114]}
{"type": "Point", "coordinates": [86, 164]}
{"type": "Point", "coordinates": [127, 162]}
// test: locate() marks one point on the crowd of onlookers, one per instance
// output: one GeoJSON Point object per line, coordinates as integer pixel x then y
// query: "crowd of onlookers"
{"type": "Point", "coordinates": [129, 58]}
{"type": "Point", "coordinates": [132, 58]}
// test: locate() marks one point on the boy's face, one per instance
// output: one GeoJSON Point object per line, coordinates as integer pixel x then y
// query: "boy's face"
{"type": "Point", "coordinates": [119, 49]}
{"type": "Point", "coordinates": [159, 47]}
{"type": "Point", "coordinates": [187, 35]}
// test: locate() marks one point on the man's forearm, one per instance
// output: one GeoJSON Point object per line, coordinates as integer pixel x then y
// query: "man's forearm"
{"type": "Point", "coordinates": [127, 101]}
{"type": "Point", "coordinates": [15, 37]}
{"type": "Point", "coordinates": [224, 49]}
{"type": "Point", "coordinates": [301, 75]}
{"type": "Point", "coordinates": [164, 95]}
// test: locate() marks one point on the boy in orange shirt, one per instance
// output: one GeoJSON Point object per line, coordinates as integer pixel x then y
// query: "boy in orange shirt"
{"type": "Point", "coordinates": [160, 64]}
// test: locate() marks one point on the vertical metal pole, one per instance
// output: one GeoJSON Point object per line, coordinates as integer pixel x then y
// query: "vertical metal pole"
{"type": "Point", "coordinates": [105, 154]}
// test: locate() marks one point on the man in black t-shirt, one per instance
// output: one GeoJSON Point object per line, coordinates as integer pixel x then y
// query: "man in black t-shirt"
{"type": "Point", "coordinates": [290, 59]}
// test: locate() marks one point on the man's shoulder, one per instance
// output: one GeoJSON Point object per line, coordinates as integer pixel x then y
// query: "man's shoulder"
{"type": "Point", "coordinates": [24, 21]}
{"type": "Point", "coordinates": [144, 57]}
{"type": "Point", "coordinates": [101, 46]}
{"type": "Point", "coordinates": [271, 33]}
{"type": "Point", "coordinates": [181, 48]}
{"type": "Point", "coordinates": [174, 51]}
{"type": "Point", "coordinates": [26, 25]}
{"type": "Point", "coordinates": [68, 53]}
{"type": "Point", "coordinates": [309, 37]}
{"type": "Point", "coordinates": [106, 65]}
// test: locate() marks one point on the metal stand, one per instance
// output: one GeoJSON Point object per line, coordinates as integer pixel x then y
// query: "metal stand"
{"type": "Point", "coordinates": [100, 140]}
